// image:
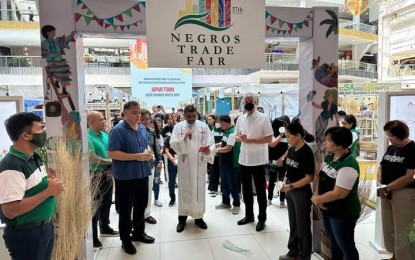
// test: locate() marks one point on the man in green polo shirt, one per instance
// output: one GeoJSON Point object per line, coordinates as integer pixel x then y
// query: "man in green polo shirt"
{"type": "Point", "coordinates": [27, 194]}
{"type": "Point", "coordinates": [100, 168]}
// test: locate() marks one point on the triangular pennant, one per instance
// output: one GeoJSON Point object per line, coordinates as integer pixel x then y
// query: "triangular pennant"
{"type": "Point", "coordinates": [306, 23]}
{"type": "Point", "coordinates": [289, 32]}
{"type": "Point", "coordinates": [114, 27]}
{"type": "Point", "coordinates": [84, 6]}
{"type": "Point", "coordinates": [100, 22]}
{"type": "Point", "coordinates": [278, 31]}
{"type": "Point", "coordinates": [290, 25]}
{"type": "Point", "coordinates": [273, 30]}
{"type": "Point", "coordinates": [129, 12]}
{"type": "Point", "coordinates": [106, 25]}
{"type": "Point", "coordinates": [143, 4]}
{"type": "Point", "coordinates": [267, 14]}
{"type": "Point", "coordinates": [119, 18]}
{"type": "Point", "coordinates": [77, 17]}
{"type": "Point", "coordinates": [135, 24]}
{"type": "Point", "coordinates": [79, 2]}
{"type": "Point", "coordinates": [137, 8]}
{"type": "Point", "coordinates": [284, 32]}
{"type": "Point", "coordinates": [299, 25]}
{"type": "Point", "coordinates": [87, 20]}
{"type": "Point", "coordinates": [267, 28]}
{"type": "Point", "coordinates": [110, 20]}
{"type": "Point", "coordinates": [128, 27]}
{"type": "Point", "coordinates": [89, 12]}
{"type": "Point", "coordinates": [122, 27]}
{"type": "Point", "coordinates": [273, 19]}
{"type": "Point", "coordinates": [281, 23]}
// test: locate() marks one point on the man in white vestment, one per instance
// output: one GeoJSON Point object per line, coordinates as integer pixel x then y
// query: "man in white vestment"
{"type": "Point", "coordinates": [194, 144]}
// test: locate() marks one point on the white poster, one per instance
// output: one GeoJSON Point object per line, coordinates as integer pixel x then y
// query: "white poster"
{"type": "Point", "coordinates": [403, 108]}
{"type": "Point", "coordinates": [205, 33]}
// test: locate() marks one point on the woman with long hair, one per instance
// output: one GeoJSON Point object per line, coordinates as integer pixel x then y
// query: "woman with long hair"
{"type": "Point", "coordinates": [157, 181]}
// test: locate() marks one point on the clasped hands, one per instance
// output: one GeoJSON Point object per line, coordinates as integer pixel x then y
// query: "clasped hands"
{"type": "Point", "coordinates": [145, 156]}
{"type": "Point", "coordinates": [316, 201]}
{"type": "Point", "coordinates": [244, 138]}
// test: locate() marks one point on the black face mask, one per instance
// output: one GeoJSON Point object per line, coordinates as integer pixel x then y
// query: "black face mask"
{"type": "Point", "coordinates": [249, 107]}
{"type": "Point", "coordinates": [39, 140]}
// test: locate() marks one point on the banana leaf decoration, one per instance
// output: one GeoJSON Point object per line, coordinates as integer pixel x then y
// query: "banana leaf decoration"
{"type": "Point", "coordinates": [333, 22]}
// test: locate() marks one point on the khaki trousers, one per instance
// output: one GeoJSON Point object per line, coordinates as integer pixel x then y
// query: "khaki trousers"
{"type": "Point", "coordinates": [398, 215]}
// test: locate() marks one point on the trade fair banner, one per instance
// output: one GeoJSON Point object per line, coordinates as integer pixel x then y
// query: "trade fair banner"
{"type": "Point", "coordinates": [358, 89]}
{"type": "Point", "coordinates": [157, 86]}
{"type": "Point", "coordinates": [205, 33]}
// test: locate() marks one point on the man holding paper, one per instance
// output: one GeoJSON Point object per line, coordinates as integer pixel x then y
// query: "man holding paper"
{"type": "Point", "coordinates": [194, 144]}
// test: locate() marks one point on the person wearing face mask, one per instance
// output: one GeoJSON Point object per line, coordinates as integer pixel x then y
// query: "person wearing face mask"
{"type": "Point", "coordinates": [194, 145]}
{"type": "Point", "coordinates": [254, 131]}
{"type": "Point", "coordinates": [27, 191]}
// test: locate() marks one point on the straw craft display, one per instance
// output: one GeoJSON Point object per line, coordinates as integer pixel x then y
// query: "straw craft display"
{"type": "Point", "coordinates": [75, 206]}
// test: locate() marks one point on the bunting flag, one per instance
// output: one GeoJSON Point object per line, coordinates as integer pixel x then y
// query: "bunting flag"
{"type": "Point", "coordinates": [273, 19]}
{"type": "Point", "coordinates": [285, 27]}
{"type": "Point", "coordinates": [109, 21]}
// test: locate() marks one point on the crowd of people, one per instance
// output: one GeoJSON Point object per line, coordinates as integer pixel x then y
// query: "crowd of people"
{"type": "Point", "coordinates": [241, 158]}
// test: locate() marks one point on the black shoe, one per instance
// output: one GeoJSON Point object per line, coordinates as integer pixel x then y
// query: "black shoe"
{"type": "Point", "coordinates": [245, 221]}
{"type": "Point", "coordinates": [107, 231]}
{"type": "Point", "coordinates": [171, 203]}
{"type": "Point", "coordinates": [151, 220]}
{"type": "Point", "coordinates": [201, 223]}
{"type": "Point", "coordinates": [97, 243]}
{"type": "Point", "coordinates": [260, 226]}
{"type": "Point", "coordinates": [143, 238]}
{"type": "Point", "coordinates": [129, 248]}
{"type": "Point", "coordinates": [180, 227]}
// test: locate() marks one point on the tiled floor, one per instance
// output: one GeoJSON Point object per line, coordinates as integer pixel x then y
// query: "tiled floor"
{"type": "Point", "coordinates": [196, 244]}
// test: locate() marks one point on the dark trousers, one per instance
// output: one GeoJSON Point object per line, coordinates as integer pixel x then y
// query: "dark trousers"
{"type": "Point", "coordinates": [31, 18]}
{"type": "Point", "coordinates": [299, 214]}
{"type": "Point", "coordinates": [214, 173]}
{"type": "Point", "coordinates": [341, 235]}
{"type": "Point", "coordinates": [131, 194]}
{"type": "Point", "coordinates": [258, 174]}
{"type": "Point", "coordinates": [273, 177]}
{"type": "Point", "coordinates": [31, 243]}
{"type": "Point", "coordinates": [156, 182]}
{"type": "Point", "coordinates": [172, 169]}
{"type": "Point", "coordinates": [229, 179]}
{"type": "Point", "coordinates": [104, 196]}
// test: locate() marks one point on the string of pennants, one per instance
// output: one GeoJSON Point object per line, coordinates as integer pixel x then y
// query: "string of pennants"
{"type": "Point", "coordinates": [279, 23]}
{"type": "Point", "coordinates": [109, 21]}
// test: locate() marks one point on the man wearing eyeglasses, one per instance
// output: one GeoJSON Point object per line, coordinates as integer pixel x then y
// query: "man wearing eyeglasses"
{"type": "Point", "coordinates": [157, 161]}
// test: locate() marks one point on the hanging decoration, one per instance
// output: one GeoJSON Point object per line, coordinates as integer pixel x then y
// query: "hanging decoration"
{"type": "Point", "coordinates": [282, 27]}
{"type": "Point", "coordinates": [356, 7]}
{"type": "Point", "coordinates": [111, 21]}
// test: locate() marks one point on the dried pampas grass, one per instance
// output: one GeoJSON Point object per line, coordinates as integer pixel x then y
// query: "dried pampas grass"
{"type": "Point", "coordinates": [75, 206]}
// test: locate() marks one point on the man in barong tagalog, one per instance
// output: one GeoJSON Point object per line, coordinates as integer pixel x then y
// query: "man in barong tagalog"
{"type": "Point", "coordinates": [194, 144]}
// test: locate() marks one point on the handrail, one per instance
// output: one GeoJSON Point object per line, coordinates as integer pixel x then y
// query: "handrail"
{"type": "Point", "coordinates": [346, 24]}
{"type": "Point", "coordinates": [19, 65]}
{"type": "Point", "coordinates": [19, 15]}
{"type": "Point", "coordinates": [402, 70]}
